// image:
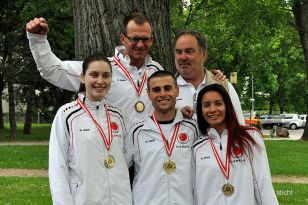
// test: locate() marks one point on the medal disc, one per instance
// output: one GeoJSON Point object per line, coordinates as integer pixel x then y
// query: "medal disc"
{"type": "Point", "coordinates": [109, 161]}
{"type": "Point", "coordinates": [227, 189]}
{"type": "Point", "coordinates": [139, 106]}
{"type": "Point", "coordinates": [169, 166]}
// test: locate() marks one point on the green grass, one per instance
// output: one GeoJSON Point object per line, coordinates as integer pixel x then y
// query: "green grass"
{"type": "Point", "coordinates": [39, 132]}
{"type": "Point", "coordinates": [26, 157]}
{"type": "Point", "coordinates": [291, 194]}
{"type": "Point", "coordinates": [288, 157]}
{"type": "Point", "coordinates": [24, 191]}
{"type": "Point", "coordinates": [35, 190]}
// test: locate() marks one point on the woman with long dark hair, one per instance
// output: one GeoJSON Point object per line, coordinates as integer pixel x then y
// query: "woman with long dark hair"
{"type": "Point", "coordinates": [230, 161]}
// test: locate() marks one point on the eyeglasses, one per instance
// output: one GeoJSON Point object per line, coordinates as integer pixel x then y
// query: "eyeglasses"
{"type": "Point", "coordinates": [138, 39]}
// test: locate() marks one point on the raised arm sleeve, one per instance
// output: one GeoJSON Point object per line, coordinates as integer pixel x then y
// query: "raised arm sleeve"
{"type": "Point", "coordinates": [63, 74]}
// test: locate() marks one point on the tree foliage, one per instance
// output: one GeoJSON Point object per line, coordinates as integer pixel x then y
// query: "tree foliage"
{"type": "Point", "coordinates": [17, 65]}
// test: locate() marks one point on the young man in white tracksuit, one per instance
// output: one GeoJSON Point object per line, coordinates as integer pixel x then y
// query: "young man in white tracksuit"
{"type": "Point", "coordinates": [160, 148]}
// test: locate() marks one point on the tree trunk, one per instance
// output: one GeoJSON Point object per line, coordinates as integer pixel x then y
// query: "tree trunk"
{"type": "Point", "coordinates": [98, 26]}
{"type": "Point", "coordinates": [281, 94]}
{"type": "Point", "coordinates": [12, 113]}
{"type": "Point", "coordinates": [2, 86]}
{"type": "Point", "coordinates": [271, 105]}
{"type": "Point", "coordinates": [29, 111]}
{"type": "Point", "coordinates": [1, 112]}
{"type": "Point", "coordinates": [300, 11]}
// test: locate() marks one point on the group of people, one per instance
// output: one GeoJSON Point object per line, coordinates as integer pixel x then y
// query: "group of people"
{"type": "Point", "coordinates": [128, 113]}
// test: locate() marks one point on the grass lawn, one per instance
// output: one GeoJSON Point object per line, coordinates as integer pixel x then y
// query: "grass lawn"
{"type": "Point", "coordinates": [24, 191]}
{"type": "Point", "coordinates": [40, 132]}
{"type": "Point", "coordinates": [288, 157]}
{"type": "Point", "coordinates": [291, 194]}
{"type": "Point", "coordinates": [26, 157]}
{"type": "Point", "coordinates": [35, 190]}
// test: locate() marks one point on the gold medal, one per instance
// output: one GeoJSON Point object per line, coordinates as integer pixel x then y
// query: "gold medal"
{"type": "Point", "coordinates": [109, 161]}
{"type": "Point", "coordinates": [169, 166]}
{"type": "Point", "coordinates": [139, 106]}
{"type": "Point", "coordinates": [227, 189]}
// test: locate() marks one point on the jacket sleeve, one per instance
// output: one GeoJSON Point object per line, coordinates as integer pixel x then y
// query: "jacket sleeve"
{"type": "Point", "coordinates": [129, 148]}
{"type": "Point", "coordinates": [63, 74]}
{"type": "Point", "coordinates": [236, 104]}
{"type": "Point", "coordinates": [264, 191]}
{"type": "Point", "coordinates": [58, 163]}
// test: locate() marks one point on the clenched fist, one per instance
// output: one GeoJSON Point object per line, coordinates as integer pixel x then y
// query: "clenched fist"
{"type": "Point", "coordinates": [37, 26]}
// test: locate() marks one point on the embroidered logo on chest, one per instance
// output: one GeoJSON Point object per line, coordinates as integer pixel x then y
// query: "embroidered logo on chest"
{"type": "Point", "coordinates": [182, 138]}
{"type": "Point", "coordinates": [114, 127]}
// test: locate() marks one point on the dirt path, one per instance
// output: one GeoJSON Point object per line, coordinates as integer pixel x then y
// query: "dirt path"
{"type": "Point", "coordinates": [290, 179]}
{"type": "Point", "coordinates": [24, 172]}
{"type": "Point", "coordinates": [24, 143]}
{"type": "Point", "coordinates": [44, 173]}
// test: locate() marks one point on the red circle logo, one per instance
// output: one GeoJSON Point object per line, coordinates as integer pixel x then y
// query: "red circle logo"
{"type": "Point", "coordinates": [237, 151]}
{"type": "Point", "coordinates": [183, 138]}
{"type": "Point", "coordinates": [114, 126]}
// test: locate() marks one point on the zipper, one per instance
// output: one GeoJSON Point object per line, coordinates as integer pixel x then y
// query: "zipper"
{"type": "Point", "coordinates": [97, 111]}
{"type": "Point", "coordinates": [169, 199]}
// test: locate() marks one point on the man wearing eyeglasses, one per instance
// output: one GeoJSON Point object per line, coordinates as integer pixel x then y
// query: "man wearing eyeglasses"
{"type": "Point", "coordinates": [131, 64]}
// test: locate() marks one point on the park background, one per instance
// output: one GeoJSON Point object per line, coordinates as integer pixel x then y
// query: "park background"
{"type": "Point", "coordinates": [264, 41]}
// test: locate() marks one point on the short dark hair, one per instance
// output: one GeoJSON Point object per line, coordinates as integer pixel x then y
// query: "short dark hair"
{"type": "Point", "coordinates": [161, 73]}
{"type": "Point", "coordinates": [139, 19]}
{"type": "Point", "coordinates": [202, 41]}
{"type": "Point", "coordinates": [85, 65]}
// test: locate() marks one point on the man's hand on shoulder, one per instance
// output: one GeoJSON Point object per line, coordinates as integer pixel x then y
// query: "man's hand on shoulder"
{"type": "Point", "coordinates": [187, 112]}
{"type": "Point", "coordinates": [37, 26]}
{"type": "Point", "coordinates": [218, 75]}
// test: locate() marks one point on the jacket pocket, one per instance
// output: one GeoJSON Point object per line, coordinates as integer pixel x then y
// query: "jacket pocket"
{"type": "Point", "coordinates": [75, 187]}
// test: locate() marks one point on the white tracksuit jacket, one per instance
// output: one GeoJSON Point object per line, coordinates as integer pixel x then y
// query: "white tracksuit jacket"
{"type": "Point", "coordinates": [65, 74]}
{"type": "Point", "coordinates": [251, 179]}
{"type": "Point", "coordinates": [77, 151]}
{"type": "Point", "coordinates": [146, 150]}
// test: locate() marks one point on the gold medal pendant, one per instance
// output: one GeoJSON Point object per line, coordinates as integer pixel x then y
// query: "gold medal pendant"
{"type": "Point", "coordinates": [109, 161]}
{"type": "Point", "coordinates": [169, 166]}
{"type": "Point", "coordinates": [139, 106]}
{"type": "Point", "coordinates": [227, 189]}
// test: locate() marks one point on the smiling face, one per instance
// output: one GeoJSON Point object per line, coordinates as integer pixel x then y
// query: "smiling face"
{"type": "Point", "coordinates": [138, 42]}
{"type": "Point", "coordinates": [214, 110]}
{"type": "Point", "coordinates": [97, 80]}
{"type": "Point", "coordinates": [162, 91]}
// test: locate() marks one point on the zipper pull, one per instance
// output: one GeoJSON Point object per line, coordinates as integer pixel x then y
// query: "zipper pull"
{"type": "Point", "coordinates": [220, 146]}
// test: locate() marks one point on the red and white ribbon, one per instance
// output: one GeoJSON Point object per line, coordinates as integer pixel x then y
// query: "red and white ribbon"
{"type": "Point", "coordinates": [225, 168]}
{"type": "Point", "coordinates": [107, 141]}
{"type": "Point", "coordinates": [168, 147]}
{"type": "Point", "coordinates": [122, 67]}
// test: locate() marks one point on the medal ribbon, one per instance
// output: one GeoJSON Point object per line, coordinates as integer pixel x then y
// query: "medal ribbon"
{"type": "Point", "coordinates": [108, 141]}
{"type": "Point", "coordinates": [224, 168]}
{"type": "Point", "coordinates": [144, 77]}
{"type": "Point", "coordinates": [169, 148]}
